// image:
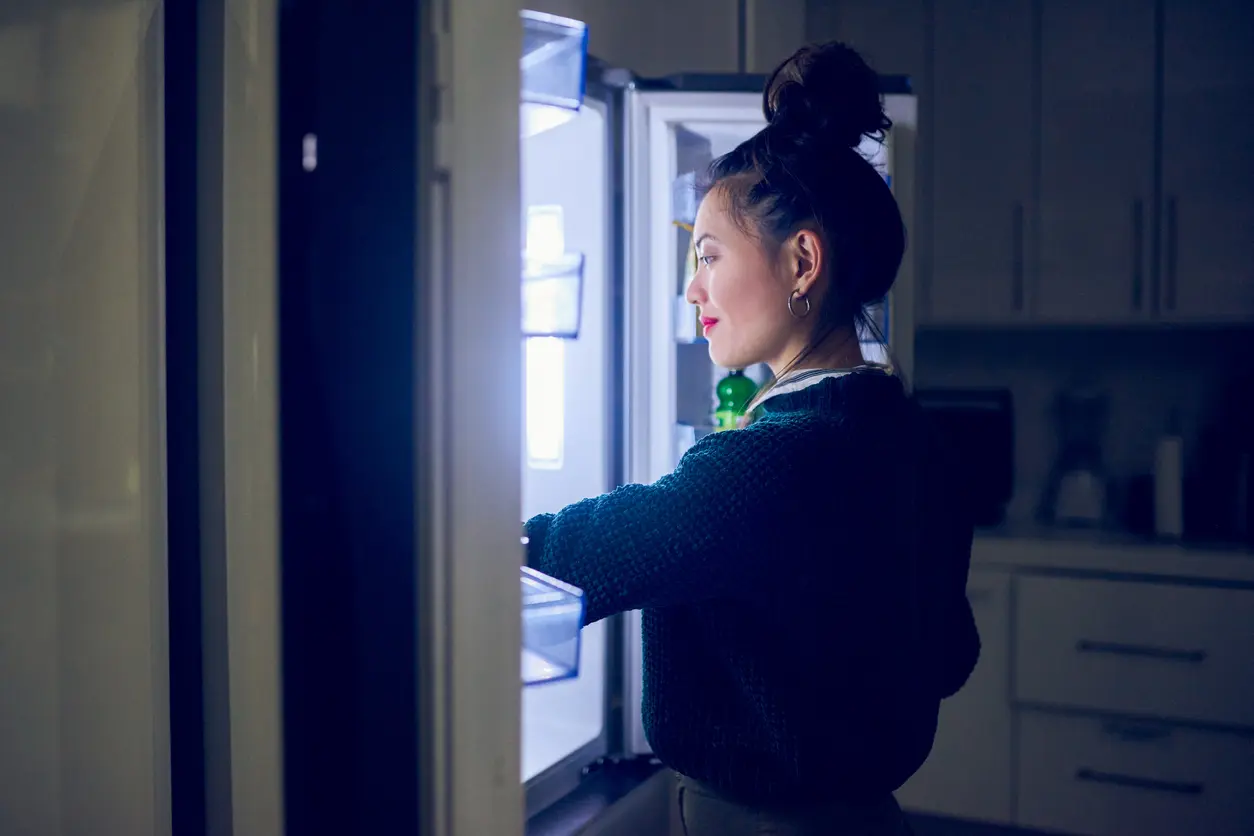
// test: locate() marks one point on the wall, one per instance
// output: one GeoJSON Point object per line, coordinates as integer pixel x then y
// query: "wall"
{"type": "Point", "coordinates": [84, 746]}
{"type": "Point", "coordinates": [1149, 375]}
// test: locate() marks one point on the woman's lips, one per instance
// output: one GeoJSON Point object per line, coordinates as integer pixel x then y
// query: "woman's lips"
{"type": "Point", "coordinates": [707, 324]}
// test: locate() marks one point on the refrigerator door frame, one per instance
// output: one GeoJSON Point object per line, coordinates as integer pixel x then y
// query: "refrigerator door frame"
{"type": "Point", "coordinates": [649, 303]}
{"type": "Point", "coordinates": [470, 700]}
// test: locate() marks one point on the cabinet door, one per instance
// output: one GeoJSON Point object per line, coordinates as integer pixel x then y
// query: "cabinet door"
{"type": "Point", "coordinates": [968, 773]}
{"type": "Point", "coordinates": [1097, 160]}
{"type": "Point", "coordinates": [982, 126]}
{"type": "Point", "coordinates": [1208, 161]}
{"type": "Point", "coordinates": [657, 37]}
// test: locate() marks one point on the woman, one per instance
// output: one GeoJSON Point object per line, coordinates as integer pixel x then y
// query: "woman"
{"type": "Point", "coordinates": [802, 578]}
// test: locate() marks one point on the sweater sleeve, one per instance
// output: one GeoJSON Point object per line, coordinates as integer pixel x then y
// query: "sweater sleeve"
{"type": "Point", "coordinates": [695, 534]}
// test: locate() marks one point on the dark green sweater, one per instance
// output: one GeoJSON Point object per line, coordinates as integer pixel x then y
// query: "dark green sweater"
{"type": "Point", "coordinates": [803, 588]}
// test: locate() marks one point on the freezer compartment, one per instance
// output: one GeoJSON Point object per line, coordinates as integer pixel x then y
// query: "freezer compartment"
{"type": "Point", "coordinates": [552, 614]}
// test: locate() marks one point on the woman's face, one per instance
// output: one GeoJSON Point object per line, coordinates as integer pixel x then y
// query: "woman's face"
{"type": "Point", "coordinates": [742, 293]}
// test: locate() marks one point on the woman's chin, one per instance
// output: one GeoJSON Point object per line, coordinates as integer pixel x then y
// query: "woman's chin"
{"type": "Point", "coordinates": [726, 359]}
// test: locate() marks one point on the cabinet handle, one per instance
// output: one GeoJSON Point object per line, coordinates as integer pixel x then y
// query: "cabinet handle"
{"type": "Point", "coordinates": [1017, 267]}
{"type": "Point", "coordinates": [1138, 253]}
{"type": "Point", "coordinates": [1135, 732]}
{"type": "Point", "coordinates": [1172, 255]}
{"type": "Point", "coordinates": [1166, 654]}
{"type": "Point", "coordinates": [1116, 779]}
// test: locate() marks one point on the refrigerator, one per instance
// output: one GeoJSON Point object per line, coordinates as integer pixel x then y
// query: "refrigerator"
{"type": "Point", "coordinates": [622, 384]}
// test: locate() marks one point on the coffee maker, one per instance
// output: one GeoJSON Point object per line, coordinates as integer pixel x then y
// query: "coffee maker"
{"type": "Point", "coordinates": [1076, 491]}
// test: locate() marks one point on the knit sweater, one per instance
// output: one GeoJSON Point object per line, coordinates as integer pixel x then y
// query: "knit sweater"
{"type": "Point", "coordinates": [802, 582]}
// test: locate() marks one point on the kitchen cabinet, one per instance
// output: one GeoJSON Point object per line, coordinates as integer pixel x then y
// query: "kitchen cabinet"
{"type": "Point", "coordinates": [968, 774]}
{"type": "Point", "coordinates": [1207, 216]}
{"type": "Point", "coordinates": [981, 126]}
{"type": "Point", "coordinates": [1086, 162]}
{"type": "Point", "coordinates": [1112, 694]}
{"type": "Point", "coordinates": [1096, 162]}
{"type": "Point", "coordinates": [658, 37]}
{"type": "Point", "coordinates": [890, 34]}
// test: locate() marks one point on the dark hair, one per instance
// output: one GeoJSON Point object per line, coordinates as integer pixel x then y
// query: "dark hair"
{"type": "Point", "coordinates": [805, 168]}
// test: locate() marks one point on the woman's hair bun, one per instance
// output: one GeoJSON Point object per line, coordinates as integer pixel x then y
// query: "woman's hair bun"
{"type": "Point", "coordinates": [826, 90]}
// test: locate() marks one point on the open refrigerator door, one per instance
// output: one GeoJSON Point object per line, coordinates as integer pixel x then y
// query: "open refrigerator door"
{"type": "Point", "coordinates": [568, 415]}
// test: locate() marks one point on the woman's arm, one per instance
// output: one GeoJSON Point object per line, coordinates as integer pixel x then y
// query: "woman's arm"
{"type": "Point", "coordinates": [701, 532]}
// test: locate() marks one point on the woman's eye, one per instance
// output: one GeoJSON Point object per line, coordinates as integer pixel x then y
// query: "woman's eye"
{"type": "Point", "coordinates": [707, 260]}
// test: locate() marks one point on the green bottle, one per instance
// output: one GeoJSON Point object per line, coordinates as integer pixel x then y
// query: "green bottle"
{"type": "Point", "coordinates": [734, 393]}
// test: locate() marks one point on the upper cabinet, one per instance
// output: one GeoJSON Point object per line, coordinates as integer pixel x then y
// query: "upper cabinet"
{"type": "Point", "coordinates": [1090, 162]}
{"type": "Point", "coordinates": [1207, 213]}
{"type": "Point", "coordinates": [981, 184]}
{"type": "Point", "coordinates": [660, 37]}
{"type": "Point", "coordinates": [1096, 160]}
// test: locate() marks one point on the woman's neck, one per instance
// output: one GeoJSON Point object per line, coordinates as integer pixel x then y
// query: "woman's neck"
{"type": "Point", "coordinates": [841, 350]}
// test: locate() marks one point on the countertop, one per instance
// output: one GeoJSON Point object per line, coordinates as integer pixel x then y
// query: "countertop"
{"type": "Point", "coordinates": [1110, 553]}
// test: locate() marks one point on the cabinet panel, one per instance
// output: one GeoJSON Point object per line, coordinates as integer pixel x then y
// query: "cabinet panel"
{"type": "Point", "coordinates": [968, 773]}
{"type": "Point", "coordinates": [1208, 169]}
{"type": "Point", "coordinates": [1097, 160]}
{"type": "Point", "coordinates": [982, 128]}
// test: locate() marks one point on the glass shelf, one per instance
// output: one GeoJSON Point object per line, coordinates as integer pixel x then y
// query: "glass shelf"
{"type": "Point", "coordinates": [553, 66]}
{"type": "Point", "coordinates": [552, 296]}
{"type": "Point", "coordinates": [552, 615]}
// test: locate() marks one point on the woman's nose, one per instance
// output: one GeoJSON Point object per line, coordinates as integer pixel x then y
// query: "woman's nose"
{"type": "Point", "coordinates": [695, 295]}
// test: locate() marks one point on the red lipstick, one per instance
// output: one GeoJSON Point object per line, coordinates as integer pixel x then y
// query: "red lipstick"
{"type": "Point", "coordinates": [708, 323]}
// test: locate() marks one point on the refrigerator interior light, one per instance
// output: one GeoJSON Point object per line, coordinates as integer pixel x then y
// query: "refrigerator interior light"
{"type": "Point", "coordinates": [552, 615]}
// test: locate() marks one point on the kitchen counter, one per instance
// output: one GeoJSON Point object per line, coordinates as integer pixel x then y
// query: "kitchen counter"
{"type": "Point", "coordinates": [1110, 553]}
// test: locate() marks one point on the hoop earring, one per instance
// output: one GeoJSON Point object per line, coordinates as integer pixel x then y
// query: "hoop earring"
{"type": "Point", "coordinates": [795, 295]}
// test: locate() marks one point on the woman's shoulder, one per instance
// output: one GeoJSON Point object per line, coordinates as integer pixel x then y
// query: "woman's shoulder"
{"type": "Point", "coordinates": [776, 436]}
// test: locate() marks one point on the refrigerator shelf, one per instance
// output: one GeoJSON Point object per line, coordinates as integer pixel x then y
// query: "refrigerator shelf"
{"type": "Point", "coordinates": [553, 68]}
{"type": "Point", "coordinates": [552, 616]}
{"type": "Point", "coordinates": [552, 296]}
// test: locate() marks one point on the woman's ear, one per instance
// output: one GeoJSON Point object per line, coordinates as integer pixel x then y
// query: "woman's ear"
{"type": "Point", "coordinates": [805, 260]}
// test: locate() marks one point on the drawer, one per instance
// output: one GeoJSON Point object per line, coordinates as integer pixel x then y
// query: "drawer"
{"type": "Point", "coordinates": [1161, 650]}
{"type": "Point", "coordinates": [1110, 777]}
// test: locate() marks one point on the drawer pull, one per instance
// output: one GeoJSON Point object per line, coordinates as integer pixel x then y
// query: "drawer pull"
{"type": "Point", "coordinates": [1166, 654]}
{"type": "Point", "coordinates": [1131, 732]}
{"type": "Point", "coordinates": [1153, 784]}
